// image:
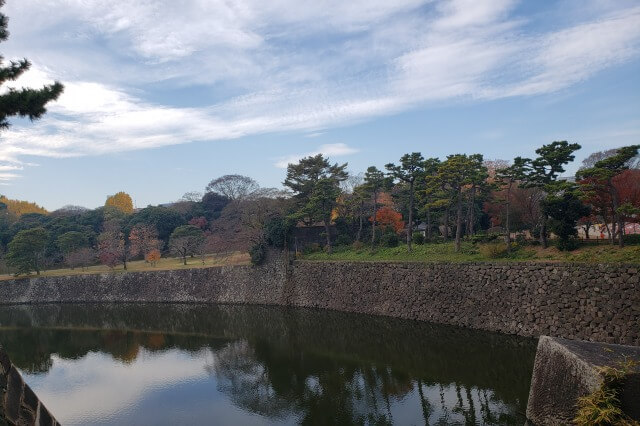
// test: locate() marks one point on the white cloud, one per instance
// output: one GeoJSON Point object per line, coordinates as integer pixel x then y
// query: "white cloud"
{"type": "Point", "coordinates": [329, 150]}
{"type": "Point", "coordinates": [103, 387]}
{"type": "Point", "coordinates": [284, 65]}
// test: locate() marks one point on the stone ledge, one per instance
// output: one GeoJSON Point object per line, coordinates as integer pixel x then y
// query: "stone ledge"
{"type": "Point", "coordinates": [18, 404]}
{"type": "Point", "coordinates": [565, 370]}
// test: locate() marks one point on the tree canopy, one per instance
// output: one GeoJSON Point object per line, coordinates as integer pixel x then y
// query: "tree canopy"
{"type": "Point", "coordinates": [121, 201]}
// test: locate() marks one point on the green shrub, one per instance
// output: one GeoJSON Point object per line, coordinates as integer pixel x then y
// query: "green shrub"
{"type": "Point", "coordinates": [343, 240]}
{"type": "Point", "coordinates": [389, 239]}
{"type": "Point", "coordinates": [497, 250]}
{"type": "Point", "coordinates": [357, 245]}
{"type": "Point", "coordinates": [521, 239]}
{"type": "Point", "coordinates": [418, 238]}
{"type": "Point", "coordinates": [484, 238]}
{"type": "Point", "coordinates": [632, 239]}
{"type": "Point", "coordinates": [493, 250]}
{"type": "Point", "coordinates": [278, 230]}
{"type": "Point", "coordinates": [311, 248]}
{"type": "Point", "coordinates": [258, 253]}
{"type": "Point", "coordinates": [567, 244]}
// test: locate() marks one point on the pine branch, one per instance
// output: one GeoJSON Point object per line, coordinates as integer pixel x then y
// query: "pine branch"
{"type": "Point", "coordinates": [27, 102]}
{"type": "Point", "coordinates": [14, 70]}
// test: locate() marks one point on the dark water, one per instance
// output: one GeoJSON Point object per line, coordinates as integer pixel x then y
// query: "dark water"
{"type": "Point", "coordinates": [243, 365]}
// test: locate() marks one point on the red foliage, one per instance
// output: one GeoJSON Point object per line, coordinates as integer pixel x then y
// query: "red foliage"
{"type": "Point", "coordinates": [627, 184]}
{"type": "Point", "coordinates": [200, 222]}
{"type": "Point", "coordinates": [108, 258]}
{"type": "Point", "coordinates": [388, 217]}
{"type": "Point", "coordinates": [143, 239]}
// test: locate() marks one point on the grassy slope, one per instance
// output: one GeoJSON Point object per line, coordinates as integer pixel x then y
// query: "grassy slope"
{"type": "Point", "coordinates": [445, 252]}
{"type": "Point", "coordinates": [141, 265]}
{"type": "Point", "coordinates": [422, 253]}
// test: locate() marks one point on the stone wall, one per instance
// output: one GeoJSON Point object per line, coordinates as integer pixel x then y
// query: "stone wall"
{"type": "Point", "coordinates": [576, 301]}
{"type": "Point", "coordinates": [18, 404]}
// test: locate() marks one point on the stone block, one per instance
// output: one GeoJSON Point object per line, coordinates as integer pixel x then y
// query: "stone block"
{"type": "Point", "coordinates": [565, 370]}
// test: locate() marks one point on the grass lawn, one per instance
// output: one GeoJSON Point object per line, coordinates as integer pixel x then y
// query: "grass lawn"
{"type": "Point", "coordinates": [444, 252]}
{"type": "Point", "coordinates": [235, 258]}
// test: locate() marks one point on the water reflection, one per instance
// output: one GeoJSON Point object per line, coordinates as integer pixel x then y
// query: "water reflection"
{"type": "Point", "coordinates": [190, 364]}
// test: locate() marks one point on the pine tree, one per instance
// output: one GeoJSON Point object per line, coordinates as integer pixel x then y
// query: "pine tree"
{"type": "Point", "coordinates": [543, 172]}
{"type": "Point", "coordinates": [316, 186]}
{"type": "Point", "coordinates": [603, 173]}
{"type": "Point", "coordinates": [374, 182]}
{"type": "Point", "coordinates": [411, 167]}
{"type": "Point", "coordinates": [21, 102]}
{"type": "Point", "coordinates": [506, 178]}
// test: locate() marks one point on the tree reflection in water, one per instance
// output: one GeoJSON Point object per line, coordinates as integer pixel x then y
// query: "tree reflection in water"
{"type": "Point", "coordinates": [307, 366]}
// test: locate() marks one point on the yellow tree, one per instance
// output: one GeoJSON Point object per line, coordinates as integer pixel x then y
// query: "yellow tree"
{"type": "Point", "coordinates": [19, 207]}
{"type": "Point", "coordinates": [122, 201]}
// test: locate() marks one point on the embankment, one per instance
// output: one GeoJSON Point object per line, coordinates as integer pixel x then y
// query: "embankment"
{"type": "Point", "coordinates": [596, 302]}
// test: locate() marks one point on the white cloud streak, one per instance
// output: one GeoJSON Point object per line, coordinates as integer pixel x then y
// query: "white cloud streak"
{"type": "Point", "coordinates": [286, 65]}
{"type": "Point", "coordinates": [329, 150]}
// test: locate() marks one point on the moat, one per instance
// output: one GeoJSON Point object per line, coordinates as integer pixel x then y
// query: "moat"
{"type": "Point", "coordinates": [236, 364]}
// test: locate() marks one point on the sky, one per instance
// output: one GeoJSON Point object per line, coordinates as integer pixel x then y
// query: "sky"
{"type": "Point", "coordinates": [163, 96]}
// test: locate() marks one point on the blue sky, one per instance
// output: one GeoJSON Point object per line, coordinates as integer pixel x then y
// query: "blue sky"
{"type": "Point", "coordinates": [163, 96]}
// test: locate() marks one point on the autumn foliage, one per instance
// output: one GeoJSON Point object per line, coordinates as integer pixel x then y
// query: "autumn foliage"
{"type": "Point", "coordinates": [200, 222]}
{"type": "Point", "coordinates": [387, 217]}
{"type": "Point", "coordinates": [19, 207]}
{"type": "Point", "coordinates": [153, 256]}
{"type": "Point", "coordinates": [627, 184]}
{"type": "Point", "coordinates": [143, 239]}
{"type": "Point", "coordinates": [122, 201]}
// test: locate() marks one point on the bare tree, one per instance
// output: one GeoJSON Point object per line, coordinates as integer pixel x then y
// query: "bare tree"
{"type": "Point", "coordinates": [68, 210]}
{"type": "Point", "coordinates": [186, 240]}
{"type": "Point", "coordinates": [112, 245]}
{"type": "Point", "coordinates": [82, 257]}
{"type": "Point", "coordinates": [234, 187]}
{"type": "Point", "coordinates": [592, 159]}
{"type": "Point", "coordinates": [191, 196]}
{"type": "Point", "coordinates": [353, 181]}
{"type": "Point", "coordinates": [143, 239]}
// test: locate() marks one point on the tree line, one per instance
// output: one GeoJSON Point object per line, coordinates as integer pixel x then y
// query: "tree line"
{"type": "Point", "coordinates": [456, 198]}
{"type": "Point", "coordinates": [464, 195]}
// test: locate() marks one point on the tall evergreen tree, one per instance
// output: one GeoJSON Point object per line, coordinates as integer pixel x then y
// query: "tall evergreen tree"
{"type": "Point", "coordinates": [411, 167]}
{"type": "Point", "coordinates": [26, 250]}
{"type": "Point", "coordinates": [454, 176]}
{"type": "Point", "coordinates": [424, 195]}
{"type": "Point", "coordinates": [544, 171]}
{"type": "Point", "coordinates": [374, 181]}
{"type": "Point", "coordinates": [316, 186]}
{"type": "Point", "coordinates": [603, 173]}
{"type": "Point", "coordinates": [506, 178]}
{"type": "Point", "coordinates": [21, 102]}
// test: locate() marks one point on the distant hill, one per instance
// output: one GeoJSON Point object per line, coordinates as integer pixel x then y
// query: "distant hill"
{"type": "Point", "coordinates": [19, 207]}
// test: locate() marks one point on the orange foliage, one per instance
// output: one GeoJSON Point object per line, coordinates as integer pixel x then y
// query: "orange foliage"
{"type": "Point", "coordinates": [152, 257]}
{"type": "Point", "coordinates": [388, 217]}
{"type": "Point", "coordinates": [385, 199]}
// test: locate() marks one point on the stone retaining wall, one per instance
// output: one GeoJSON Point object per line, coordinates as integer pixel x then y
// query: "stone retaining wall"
{"type": "Point", "coordinates": [599, 302]}
{"type": "Point", "coordinates": [18, 404]}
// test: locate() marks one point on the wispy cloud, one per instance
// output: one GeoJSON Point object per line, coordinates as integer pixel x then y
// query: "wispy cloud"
{"type": "Point", "coordinates": [329, 150]}
{"type": "Point", "coordinates": [285, 65]}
